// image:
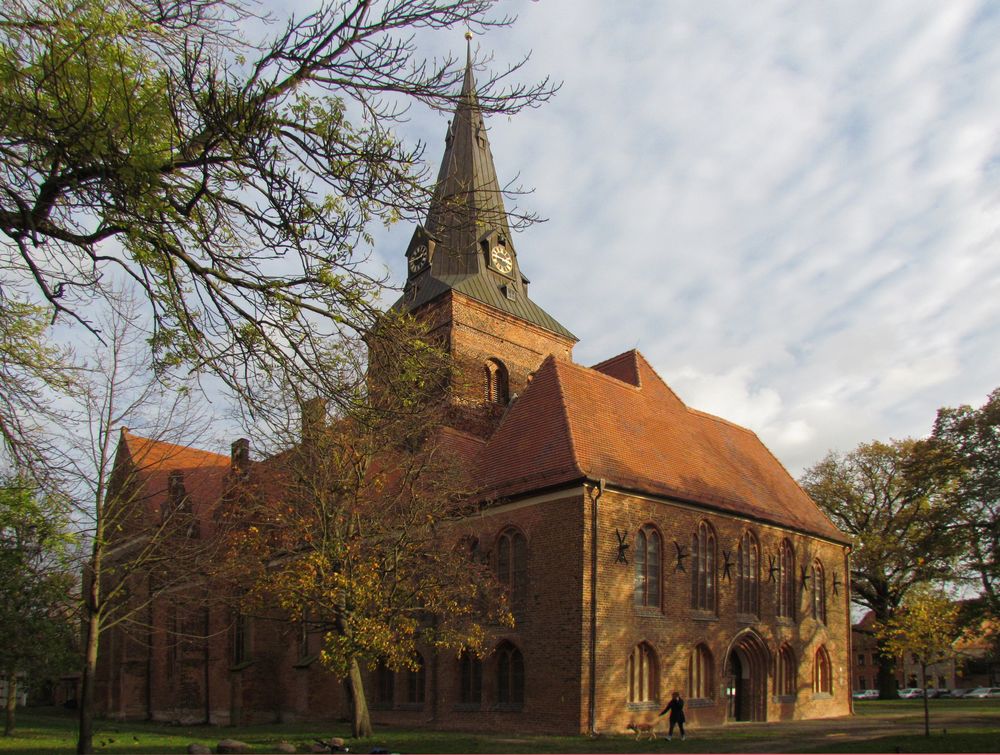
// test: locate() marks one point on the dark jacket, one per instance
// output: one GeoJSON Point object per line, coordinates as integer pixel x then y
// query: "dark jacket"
{"type": "Point", "coordinates": [676, 709]}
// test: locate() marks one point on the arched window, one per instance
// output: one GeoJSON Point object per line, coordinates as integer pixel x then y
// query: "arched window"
{"type": "Point", "coordinates": [703, 568]}
{"type": "Point", "coordinates": [701, 673]}
{"type": "Point", "coordinates": [647, 567]}
{"type": "Point", "coordinates": [748, 575]}
{"type": "Point", "coordinates": [819, 592]}
{"type": "Point", "coordinates": [643, 674]}
{"type": "Point", "coordinates": [822, 672]}
{"type": "Point", "coordinates": [786, 673]}
{"type": "Point", "coordinates": [416, 682]}
{"type": "Point", "coordinates": [385, 685]}
{"type": "Point", "coordinates": [512, 566]}
{"type": "Point", "coordinates": [496, 386]}
{"type": "Point", "coordinates": [786, 581]}
{"type": "Point", "coordinates": [510, 675]}
{"type": "Point", "coordinates": [470, 680]}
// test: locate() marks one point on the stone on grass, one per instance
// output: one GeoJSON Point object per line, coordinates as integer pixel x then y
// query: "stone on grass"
{"type": "Point", "coordinates": [285, 747]}
{"type": "Point", "coordinates": [196, 749]}
{"type": "Point", "coordinates": [232, 746]}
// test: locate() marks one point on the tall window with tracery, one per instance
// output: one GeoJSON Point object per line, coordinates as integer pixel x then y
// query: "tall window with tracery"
{"type": "Point", "coordinates": [819, 592]}
{"type": "Point", "coordinates": [416, 682]}
{"type": "Point", "coordinates": [822, 672]}
{"type": "Point", "coordinates": [701, 673]}
{"type": "Point", "coordinates": [510, 675]}
{"type": "Point", "coordinates": [385, 686]}
{"type": "Point", "coordinates": [703, 568]}
{"type": "Point", "coordinates": [470, 681]}
{"type": "Point", "coordinates": [748, 575]}
{"type": "Point", "coordinates": [642, 672]}
{"type": "Point", "coordinates": [512, 566]}
{"type": "Point", "coordinates": [497, 390]}
{"type": "Point", "coordinates": [786, 581]}
{"type": "Point", "coordinates": [785, 674]}
{"type": "Point", "coordinates": [647, 567]}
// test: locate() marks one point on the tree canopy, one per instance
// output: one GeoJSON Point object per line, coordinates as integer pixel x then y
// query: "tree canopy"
{"type": "Point", "coordinates": [893, 500]}
{"type": "Point", "coordinates": [232, 178]}
{"type": "Point", "coordinates": [972, 437]}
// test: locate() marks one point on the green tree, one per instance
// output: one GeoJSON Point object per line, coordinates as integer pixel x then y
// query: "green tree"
{"type": "Point", "coordinates": [37, 588]}
{"type": "Point", "coordinates": [926, 626]}
{"type": "Point", "coordinates": [353, 529]}
{"type": "Point", "coordinates": [232, 178]}
{"type": "Point", "coordinates": [29, 368]}
{"type": "Point", "coordinates": [893, 500]}
{"type": "Point", "coordinates": [972, 437]}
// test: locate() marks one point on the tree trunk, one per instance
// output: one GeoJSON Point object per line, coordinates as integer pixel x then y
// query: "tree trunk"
{"type": "Point", "coordinates": [887, 689]}
{"type": "Point", "coordinates": [927, 714]}
{"type": "Point", "coordinates": [361, 724]}
{"type": "Point", "coordinates": [8, 726]}
{"type": "Point", "coordinates": [85, 742]}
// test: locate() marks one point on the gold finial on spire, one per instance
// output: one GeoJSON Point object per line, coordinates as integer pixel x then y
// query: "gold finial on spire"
{"type": "Point", "coordinates": [468, 35]}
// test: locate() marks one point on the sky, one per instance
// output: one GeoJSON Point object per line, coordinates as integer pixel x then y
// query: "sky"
{"type": "Point", "coordinates": [791, 209]}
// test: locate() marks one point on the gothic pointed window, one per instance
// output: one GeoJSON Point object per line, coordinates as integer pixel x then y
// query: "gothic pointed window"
{"type": "Point", "coordinates": [748, 575]}
{"type": "Point", "coordinates": [496, 388]}
{"type": "Point", "coordinates": [642, 671]}
{"type": "Point", "coordinates": [786, 581]}
{"type": "Point", "coordinates": [510, 675]}
{"type": "Point", "coordinates": [701, 673]}
{"type": "Point", "coordinates": [819, 592]}
{"type": "Point", "coordinates": [512, 567]}
{"type": "Point", "coordinates": [703, 568]}
{"type": "Point", "coordinates": [470, 673]}
{"type": "Point", "coordinates": [647, 567]}
{"type": "Point", "coordinates": [785, 673]}
{"type": "Point", "coordinates": [822, 672]}
{"type": "Point", "coordinates": [385, 686]}
{"type": "Point", "coordinates": [416, 683]}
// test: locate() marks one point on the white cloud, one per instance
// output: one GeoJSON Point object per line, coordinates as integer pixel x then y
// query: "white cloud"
{"type": "Point", "coordinates": [792, 208]}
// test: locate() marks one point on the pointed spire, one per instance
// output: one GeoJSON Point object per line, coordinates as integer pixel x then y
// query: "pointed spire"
{"type": "Point", "coordinates": [467, 206]}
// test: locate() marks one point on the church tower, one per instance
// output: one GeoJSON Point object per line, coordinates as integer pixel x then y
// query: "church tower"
{"type": "Point", "coordinates": [464, 278]}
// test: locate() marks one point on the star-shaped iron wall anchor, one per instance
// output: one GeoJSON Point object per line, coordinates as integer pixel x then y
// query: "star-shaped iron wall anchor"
{"type": "Point", "coordinates": [727, 566]}
{"type": "Point", "coordinates": [836, 584]}
{"type": "Point", "coordinates": [772, 569]}
{"type": "Point", "coordinates": [622, 557]}
{"type": "Point", "coordinates": [804, 576]}
{"type": "Point", "coordinates": [681, 555]}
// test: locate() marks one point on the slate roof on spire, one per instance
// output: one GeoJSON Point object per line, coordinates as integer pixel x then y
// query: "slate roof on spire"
{"type": "Point", "coordinates": [466, 216]}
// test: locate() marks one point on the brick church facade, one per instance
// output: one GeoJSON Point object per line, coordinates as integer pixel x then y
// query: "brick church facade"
{"type": "Point", "coordinates": [649, 547]}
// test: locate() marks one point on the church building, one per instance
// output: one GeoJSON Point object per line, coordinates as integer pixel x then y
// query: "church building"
{"type": "Point", "coordinates": [648, 547]}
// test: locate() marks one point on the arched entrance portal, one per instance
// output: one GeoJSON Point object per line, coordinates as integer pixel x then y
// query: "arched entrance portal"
{"type": "Point", "coordinates": [747, 664]}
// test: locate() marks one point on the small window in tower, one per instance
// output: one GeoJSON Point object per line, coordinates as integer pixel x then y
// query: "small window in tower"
{"type": "Point", "coordinates": [509, 291]}
{"type": "Point", "coordinates": [495, 382]}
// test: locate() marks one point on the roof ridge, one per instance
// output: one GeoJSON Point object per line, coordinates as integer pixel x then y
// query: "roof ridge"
{"type": "Point", "coordinates": [721, 420]}
{"type": "Point", "coordinates": [129, 438]}
{"type": "Point", "coordinates": [564, 407]}
{"type": "Point", "coordinates": [603, 375]}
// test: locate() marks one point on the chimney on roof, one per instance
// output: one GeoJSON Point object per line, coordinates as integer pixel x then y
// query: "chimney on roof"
{"type": "Point", "coordinates": [313, 419]}
{"type": "Point", "coordinates": [239, 457]}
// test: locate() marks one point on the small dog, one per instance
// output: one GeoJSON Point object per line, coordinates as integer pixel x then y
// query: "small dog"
{"type": "Point", "coordinates": [642, 730]}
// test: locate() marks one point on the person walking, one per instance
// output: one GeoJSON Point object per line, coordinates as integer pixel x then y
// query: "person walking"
{"type": "Point", "coordinates": [676, 709]}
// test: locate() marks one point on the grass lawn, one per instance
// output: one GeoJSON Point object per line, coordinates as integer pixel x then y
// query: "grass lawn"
{"type": "Point", "coordinates": [890, 726]}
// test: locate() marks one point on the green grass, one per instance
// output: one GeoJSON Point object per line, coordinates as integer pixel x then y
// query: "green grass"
{"type": "Point", "coordinates": [890, 726]}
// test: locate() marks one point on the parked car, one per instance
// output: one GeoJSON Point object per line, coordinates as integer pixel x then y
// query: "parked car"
{"type": "Point", "coordinates": [938, 692]}
{"type": "Point", "coordinates": [865, 694]}
{"type": "Point", "coordinates": [960, 692]}
{"type": "Point", "coordinates": [911, 693]}
{"type": "Point", "coordinates": [981, 692]}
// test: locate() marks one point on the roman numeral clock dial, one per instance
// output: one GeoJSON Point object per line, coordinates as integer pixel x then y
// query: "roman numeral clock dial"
{"type": "Point", "coordinates": [501, 259]}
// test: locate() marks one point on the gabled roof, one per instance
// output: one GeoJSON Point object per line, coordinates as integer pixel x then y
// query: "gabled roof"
{"type": "Point", "coordinates": [152, 461]}
{"type": "Point", "coordinates": [621, 422]}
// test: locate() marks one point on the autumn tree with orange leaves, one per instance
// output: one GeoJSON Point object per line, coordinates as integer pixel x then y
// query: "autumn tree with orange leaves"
{"type": "Point", "coordinates": [353, 530]}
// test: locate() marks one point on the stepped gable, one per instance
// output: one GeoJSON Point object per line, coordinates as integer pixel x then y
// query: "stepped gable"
{"type": "Point", "coordinates": [154, 460]}
{"type": "Point", "coordinates": [621, 422]}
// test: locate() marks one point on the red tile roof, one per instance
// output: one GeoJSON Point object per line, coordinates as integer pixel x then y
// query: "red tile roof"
{"type": "Point", "coordinates": [620, 421]}
{"type": "Point", "coordinates": [153, 461]}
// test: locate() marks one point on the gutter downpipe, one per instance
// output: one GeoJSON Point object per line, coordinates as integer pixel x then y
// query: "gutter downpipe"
{"type": "Point", "coordinates": [850, 626]}
{"type": "Point", "coordinates": [591, 712]}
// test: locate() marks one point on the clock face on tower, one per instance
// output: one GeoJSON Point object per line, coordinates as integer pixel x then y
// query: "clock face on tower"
{"type": "Point", "coordinates": [419, 258]}
{"type": "Point", "coordinates": [501, 260]}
